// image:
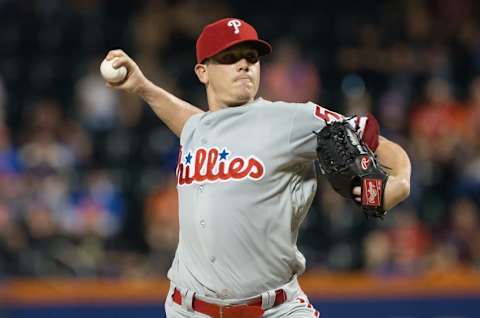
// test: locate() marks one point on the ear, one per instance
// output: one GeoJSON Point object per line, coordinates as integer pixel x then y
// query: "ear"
{"type": "Point", "coordinates": [202, 73]}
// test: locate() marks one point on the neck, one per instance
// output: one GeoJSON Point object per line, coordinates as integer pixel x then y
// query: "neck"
{"type": "Point", "coordinates": [214, 104]}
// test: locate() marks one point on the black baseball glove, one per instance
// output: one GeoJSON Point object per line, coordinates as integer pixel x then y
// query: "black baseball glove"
{"type": "Point", "coordinates": [347, 162]}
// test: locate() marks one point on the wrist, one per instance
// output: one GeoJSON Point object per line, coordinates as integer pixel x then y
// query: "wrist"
{"type": "Point", "coordinates": [144, 89]}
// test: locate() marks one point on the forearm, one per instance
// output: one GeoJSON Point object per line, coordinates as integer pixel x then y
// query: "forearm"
{"type": "Point", "coordinates": [394, 157]}
{"type": "Point", "coordinates": [173, 111]}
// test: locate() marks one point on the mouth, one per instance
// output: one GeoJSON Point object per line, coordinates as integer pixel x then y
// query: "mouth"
{"type": "Point", "coordinates": [243, 78]}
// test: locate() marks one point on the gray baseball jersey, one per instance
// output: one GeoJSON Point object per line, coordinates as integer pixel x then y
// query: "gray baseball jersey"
{"type": "Point", "coordinates": [245, 182]}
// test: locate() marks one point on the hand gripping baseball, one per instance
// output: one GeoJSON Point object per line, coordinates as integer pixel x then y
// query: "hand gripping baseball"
{"type": "Point", "coordinates": [347, 163]}
{"type": "Point", "coordinates": [134, 80]}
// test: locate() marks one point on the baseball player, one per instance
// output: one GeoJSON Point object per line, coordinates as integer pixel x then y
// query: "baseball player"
{"type": "Point", "coordinates": [245, 181]}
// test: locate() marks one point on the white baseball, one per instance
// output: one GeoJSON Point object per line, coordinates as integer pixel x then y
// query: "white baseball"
{"type": "Point", "coordinates": [111, 74]}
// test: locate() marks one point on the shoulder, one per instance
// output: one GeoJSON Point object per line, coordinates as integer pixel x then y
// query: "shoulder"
{"type": "Point", "coordinates": [268, 103]}
{"type": "Point", "coordinates": [301, 112]}
{"type": "Point", "coordinates": [191, 123]}
{"type": "Point", "coordinates": [264, 105]}
{"type": "Point", "coordinates": [307, 110]}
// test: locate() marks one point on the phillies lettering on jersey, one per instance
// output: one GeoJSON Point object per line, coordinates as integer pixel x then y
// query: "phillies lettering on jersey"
{"type": "Point", "coordinates": [211, 165]}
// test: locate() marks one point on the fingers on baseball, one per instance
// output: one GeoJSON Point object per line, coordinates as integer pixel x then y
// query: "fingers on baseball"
{"type": "Point", "coordinates": [357, 192]}
{"type": "Point", "coordinates": [111, 85]}
{"type": "Point", "coordinates": [121, 61]}
{"type": "Point", "coordinates": [115, 53]}
{"type": "Point", "coordinates": [116, 85]}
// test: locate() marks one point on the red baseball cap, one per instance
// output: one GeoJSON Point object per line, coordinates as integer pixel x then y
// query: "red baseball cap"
{"type": "Point", "coordinates": [225, 33]}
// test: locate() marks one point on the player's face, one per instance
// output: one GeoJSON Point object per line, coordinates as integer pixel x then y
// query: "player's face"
{"type": "Point", "coordinates": [233, 75]}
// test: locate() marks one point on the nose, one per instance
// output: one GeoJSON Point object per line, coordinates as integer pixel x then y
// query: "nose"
{"type": "Point", "coordinates": [243, 65]}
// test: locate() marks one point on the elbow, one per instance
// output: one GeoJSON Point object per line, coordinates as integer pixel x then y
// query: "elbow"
{"type": "Point", "coordinates": [404, 189]}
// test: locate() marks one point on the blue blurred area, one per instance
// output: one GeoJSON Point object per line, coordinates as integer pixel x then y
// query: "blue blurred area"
{"type": "Point", "coordinates": [119, 311]}
{"type": "Point", "coordinates": [423, 307]}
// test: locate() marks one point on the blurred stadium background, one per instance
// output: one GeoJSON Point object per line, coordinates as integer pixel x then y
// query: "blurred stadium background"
{"type": "Point", "coordinates": [88, 212]}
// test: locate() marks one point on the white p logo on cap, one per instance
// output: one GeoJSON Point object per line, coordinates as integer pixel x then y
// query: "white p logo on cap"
{"type": "Point", "coordinates": [235, 24]}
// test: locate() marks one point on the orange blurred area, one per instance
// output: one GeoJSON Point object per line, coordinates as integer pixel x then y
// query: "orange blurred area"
{"type": "Point", "coordinates": [316, 285]}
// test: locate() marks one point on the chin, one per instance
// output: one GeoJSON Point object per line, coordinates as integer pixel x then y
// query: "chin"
{"type": "Point", "coordinates": [242, 99]}
{"type": "Point", "coordinates": [241, 96]}
{"type": "Point", "coordinates": [246, 94]}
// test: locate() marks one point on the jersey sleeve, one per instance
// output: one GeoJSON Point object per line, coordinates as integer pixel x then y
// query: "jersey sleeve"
{"type": "Point", "coordinates": [310, 117]}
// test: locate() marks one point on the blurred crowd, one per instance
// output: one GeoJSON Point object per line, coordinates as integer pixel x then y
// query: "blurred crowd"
{"type": "Point", "coordinates": [87, 186]}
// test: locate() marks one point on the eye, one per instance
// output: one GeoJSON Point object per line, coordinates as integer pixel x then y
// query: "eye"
{"type": "Point", "coordinates": [251, 56]}
{"type": "Point", "coordinates": [228, 58]}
